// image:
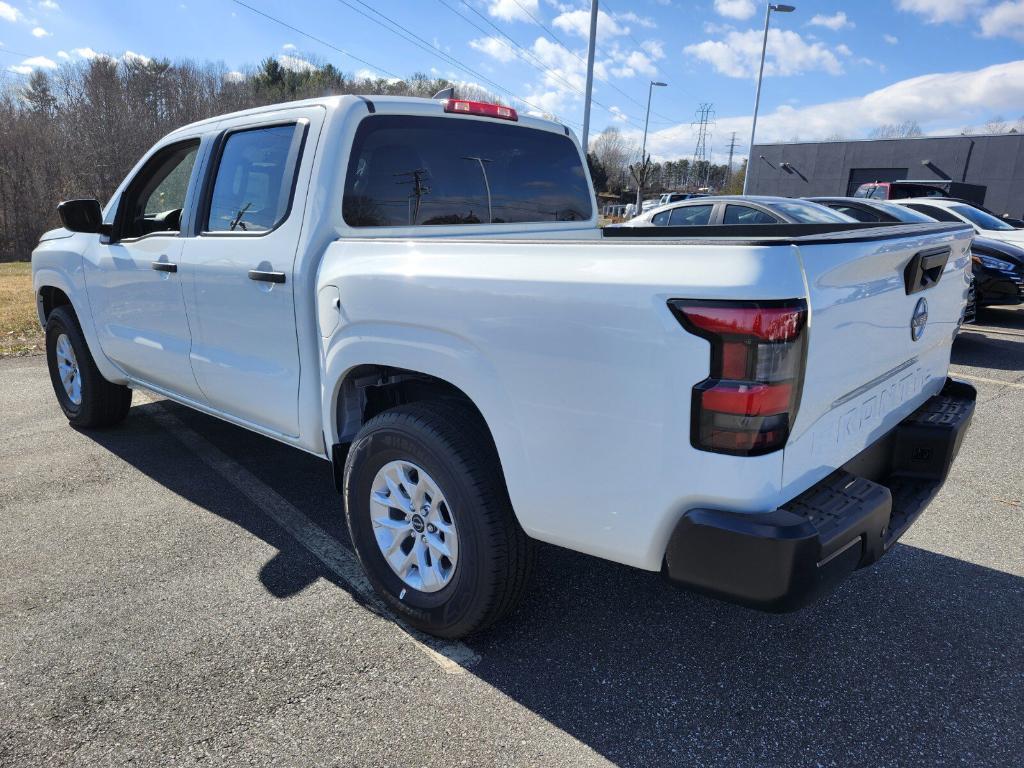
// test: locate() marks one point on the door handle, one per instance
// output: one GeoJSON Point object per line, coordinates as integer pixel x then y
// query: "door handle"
{"type": "Point", "coordinates": [266, 277]}
{"type": "Point", "coordinates": [163, 266]}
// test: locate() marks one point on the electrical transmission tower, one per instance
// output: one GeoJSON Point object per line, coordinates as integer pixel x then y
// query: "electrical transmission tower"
{"type": "Point", "coordinates": [732, 149]}
{"type": "Point", "coordinates": [701, 156]}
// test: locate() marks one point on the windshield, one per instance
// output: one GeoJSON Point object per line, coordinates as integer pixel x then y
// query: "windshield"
{"type": "Point", "coordinates": [980, 218]}
{"type": "Point", "coordinates": [809, 213]}
{"type": "Point", "coordinates": [904, 214]}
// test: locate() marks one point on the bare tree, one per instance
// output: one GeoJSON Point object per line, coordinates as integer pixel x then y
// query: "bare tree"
{"type": "Point", "coordinates": [76, 132]}
{"type": "Point", "coordinates": [908, 129]}
{"type": "Point", "coordinates": [997, 124]}
{"type": "Point", "coordinates": [615, 153]}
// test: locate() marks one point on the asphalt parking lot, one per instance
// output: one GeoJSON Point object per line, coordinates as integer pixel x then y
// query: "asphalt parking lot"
{"type": "Point", "coordinates": [179, 591]}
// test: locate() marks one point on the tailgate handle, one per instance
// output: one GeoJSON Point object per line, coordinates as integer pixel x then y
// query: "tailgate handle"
{"type": "Point", "coordinates": [925, 269]}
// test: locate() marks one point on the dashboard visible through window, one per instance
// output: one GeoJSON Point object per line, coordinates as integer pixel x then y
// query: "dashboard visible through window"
{"type": "Point", "coordinates": [154, 200]}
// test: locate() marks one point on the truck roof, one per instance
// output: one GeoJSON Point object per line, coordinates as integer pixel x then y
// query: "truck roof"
{"type": "Point", "coordinates": [410, 104]}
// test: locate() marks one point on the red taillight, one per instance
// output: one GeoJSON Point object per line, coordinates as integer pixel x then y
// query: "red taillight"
{"type": "Point", "coordinates": [463, 107]}
{"type": "Point", "coordinates": [747, 404]}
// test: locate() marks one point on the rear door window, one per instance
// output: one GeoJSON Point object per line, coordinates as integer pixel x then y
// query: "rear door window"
{"type": "Point", "coordinates": [690, 216]}
{"type": "Point", "coordinates": [858, 213]}
{"type": "Point", "coordinates": [934, 211]}
{"type": "Point", "coordinates": [412, 171]}
{"type": "Point", "coordinates": [741, 214]}
{"type": "Point", "coordinates": [255, 178]}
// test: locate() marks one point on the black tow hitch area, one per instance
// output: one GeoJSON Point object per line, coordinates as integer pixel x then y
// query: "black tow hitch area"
{"type": "Point", "coordinates": [784, 560]}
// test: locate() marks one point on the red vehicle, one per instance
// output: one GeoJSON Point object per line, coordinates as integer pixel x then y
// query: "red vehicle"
{"type": "Point", "coordinates": [897, 190]}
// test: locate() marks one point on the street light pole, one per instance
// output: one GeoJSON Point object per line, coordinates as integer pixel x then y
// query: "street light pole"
{"type": "Point", "coordinates": [760, 74]}
{"type": "Point", "coordinates": [643, 149]}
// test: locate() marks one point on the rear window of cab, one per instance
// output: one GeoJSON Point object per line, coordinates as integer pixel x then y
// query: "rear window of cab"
{"type": "Point", "coordinates": [411, 171]}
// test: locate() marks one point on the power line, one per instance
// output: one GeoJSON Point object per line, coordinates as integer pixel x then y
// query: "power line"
{"type": "Point", "coordinates": [524, 51]}
{"type": "Point", "coordinates": [18, 53]}
{"type": "Point", "coordinates": [604, 80]}
{"type": "Point", "coordinates": [411, 37]}
{"type": "Point", "coordinates": [654, 64]}
{"type": "Point", "coordinates": [316, 39]}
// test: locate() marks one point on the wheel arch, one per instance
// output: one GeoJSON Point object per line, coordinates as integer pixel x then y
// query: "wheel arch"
{"type": "Point", "coordinates": [56, 286]}
{"type": "Point", "coordinates": [48, 298]}
{"type": "Point", "coordinates": [365, 375]}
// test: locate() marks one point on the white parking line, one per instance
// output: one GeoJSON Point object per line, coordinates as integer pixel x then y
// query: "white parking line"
{"type": "Point", "coordinates": [971, 377]}
{"type": "Point", "coordinates": [451, 656]}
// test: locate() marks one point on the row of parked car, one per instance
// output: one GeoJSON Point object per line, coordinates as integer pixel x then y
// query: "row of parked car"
{"type": "Point", "coordinates": [997, 250]}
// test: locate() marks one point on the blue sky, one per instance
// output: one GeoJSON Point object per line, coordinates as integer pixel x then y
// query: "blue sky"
{"type": "Point", "coordinates": [834, 68]}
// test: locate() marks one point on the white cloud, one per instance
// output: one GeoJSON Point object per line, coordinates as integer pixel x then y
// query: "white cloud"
{"type": "Point", "coordinates": [891, 39]}
{"type": "Point", "coordinates": [735, 9]}
{"type": "Point", "coordinates": [578, 23]}
{"type": "Point", "coordinates": [289, 47]}
{"type": "Point", "coordinates": [509, 10]}
{"type": "Point", "coordinates": [635, 62]}
{"type": "Point", "coordinates": [295, 64]}
{"type": "Point", "coordinates": [35, 62]}
{"type": "Point", "coordinates": [834, 22]}
{"type": "Point", "coordinates": [369, 74]}
{"type": "Point", "coordinates": [788, 54]}
{"type": "Point", "coordinates": [495, 47]}
{"type": "Point", "coordinates": [1004, 20]}
{"type": "Point", "coordinates": [131, 57]}
{"type": "Point", "coordinates": [63, 55]}
{"type": "Point", "coordinates": [40, 32]}
{"type": "Point", "coordinates": [618, 115]}
{"type": "Point", "coordinates": [654, 48]}
{"type": "Point", "coordinates": [49, 5]}
{"type": "Point", "coordinates": [642, 21]}
{"type": "Point", "coordinates": [9, 13]}
{"type": "Point", "coordinates": [843, 50]}
{"type": "Point", "coordinates": [940, 11]}
{"type": "Point", "coordinates": [234, 76]}
{"type": "Point", "coordinates": [85, 53]}
{"type": "Point", "coordinates": [935, 101]}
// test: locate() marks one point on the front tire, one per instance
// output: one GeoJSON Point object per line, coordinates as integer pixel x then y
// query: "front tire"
{"type": "Point", "coordinates": [430, 519]}
{"type": "Point", "coordinates": [87, 399]}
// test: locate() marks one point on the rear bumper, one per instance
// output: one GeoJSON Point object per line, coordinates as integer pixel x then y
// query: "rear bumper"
{"type": "Point", "coordinates": [784, 560]}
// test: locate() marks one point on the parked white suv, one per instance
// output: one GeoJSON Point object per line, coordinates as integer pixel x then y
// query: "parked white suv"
{"type": "Point", "coordinates": [946, 209]}
{"type": "Point", "coordinates": [417, 291]}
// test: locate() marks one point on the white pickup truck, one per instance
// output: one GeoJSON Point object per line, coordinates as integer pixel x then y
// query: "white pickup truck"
{"type": "Point", "coordinates": [417, 291]}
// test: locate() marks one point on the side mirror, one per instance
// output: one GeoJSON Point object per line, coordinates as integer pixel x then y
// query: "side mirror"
{"type": "Point", "coordinates": [81, 215]}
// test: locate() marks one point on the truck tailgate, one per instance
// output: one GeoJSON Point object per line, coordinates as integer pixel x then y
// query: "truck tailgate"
{"type": "Point", "coordinates": [884, 310]}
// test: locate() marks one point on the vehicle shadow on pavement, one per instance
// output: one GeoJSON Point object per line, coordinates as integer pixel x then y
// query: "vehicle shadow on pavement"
{"type": "Point", "coordinates": [917, 660]}
{"type": "Point", "coordinates": [996, 341]}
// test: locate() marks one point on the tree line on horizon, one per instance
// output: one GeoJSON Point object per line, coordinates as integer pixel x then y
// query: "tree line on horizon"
{"type": "Point", "coordinates": [78, 130]}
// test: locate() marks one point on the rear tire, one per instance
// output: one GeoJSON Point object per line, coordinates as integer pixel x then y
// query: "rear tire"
{"type": "Point", "coordinates": [87, 399]}
{"type": "Point", "coordinates": [450, 493]}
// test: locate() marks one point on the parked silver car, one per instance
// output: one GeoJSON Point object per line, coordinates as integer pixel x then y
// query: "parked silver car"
{"type": "Point", "coordinates": [737, 209]}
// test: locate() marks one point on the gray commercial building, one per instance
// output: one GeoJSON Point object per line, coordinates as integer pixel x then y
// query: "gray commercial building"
{"type": "Point", "coordinates": [839, 167]}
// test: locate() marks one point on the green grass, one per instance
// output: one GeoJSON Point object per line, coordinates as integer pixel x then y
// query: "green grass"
{"type": "Point", "coordinates": [19, 328]}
